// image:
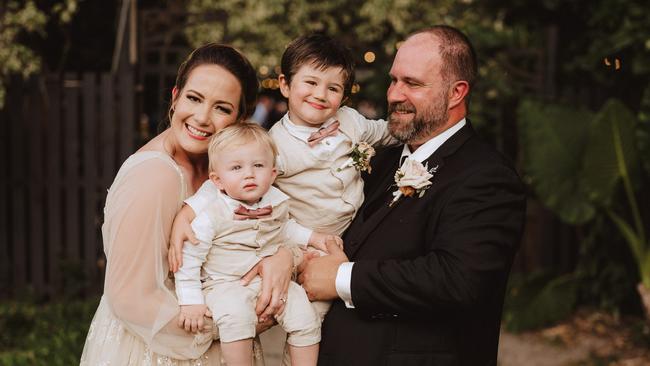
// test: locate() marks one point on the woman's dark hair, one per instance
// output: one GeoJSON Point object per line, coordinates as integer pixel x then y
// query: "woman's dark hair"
{"type": "Point", "coordinates": [321, 51]}
{"type": "Point", "coordinates": [231, 60]}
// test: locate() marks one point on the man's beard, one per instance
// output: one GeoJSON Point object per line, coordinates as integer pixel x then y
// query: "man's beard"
{"type": "Point", "coordinates": [422, 124]}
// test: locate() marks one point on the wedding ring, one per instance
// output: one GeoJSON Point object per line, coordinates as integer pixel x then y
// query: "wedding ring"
{"type": "Point", "coordinates": [283, 300]}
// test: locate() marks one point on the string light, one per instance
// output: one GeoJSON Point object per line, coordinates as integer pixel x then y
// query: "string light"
{"type": "Point", "coordinates": [369, 57]}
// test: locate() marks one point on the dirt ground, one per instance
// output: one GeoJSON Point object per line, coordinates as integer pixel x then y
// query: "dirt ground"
{"type": "Point", "coordinates": [589, 338]}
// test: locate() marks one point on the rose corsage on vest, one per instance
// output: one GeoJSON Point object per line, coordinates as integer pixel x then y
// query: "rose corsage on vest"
{"type": "Point", "coordinates": [359, 158]}
{"type": "Point", "coordinates": [411, 178]}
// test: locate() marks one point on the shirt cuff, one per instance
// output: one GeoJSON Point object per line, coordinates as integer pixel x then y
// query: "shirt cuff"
{"type": "Point", "coordinates": [190, 297]}
{"type": "Point", "coordinates": [343, 279]}
{"type": "Point", "coordinates": [297, 233]}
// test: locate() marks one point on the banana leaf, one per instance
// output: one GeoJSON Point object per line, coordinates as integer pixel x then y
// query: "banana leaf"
{"type": "Point", "coordinates": [553, 140]}
{"type": "Point", "coordinates": [611, 153]}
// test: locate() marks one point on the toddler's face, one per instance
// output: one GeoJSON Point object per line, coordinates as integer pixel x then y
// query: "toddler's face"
{"type": "Point", "coordinates": [314, 94]}
{"type": "Point", "coordinates": [245, 172]}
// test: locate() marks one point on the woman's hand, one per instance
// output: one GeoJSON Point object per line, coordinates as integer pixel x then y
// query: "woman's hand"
{"type": "Point", "coordinates": [275, 272]}
{"type": "Point", "coordinates": [181, 232]}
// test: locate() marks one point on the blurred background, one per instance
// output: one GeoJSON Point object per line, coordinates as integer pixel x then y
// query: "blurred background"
{"type": "Point", "coordinates": [564, 92]}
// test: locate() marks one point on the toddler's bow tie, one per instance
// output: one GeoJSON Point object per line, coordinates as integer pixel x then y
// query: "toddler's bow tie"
{"type": "Point", "coordinates": [319, 135]}
{"type": "Point", "coordinates": [243, 213]}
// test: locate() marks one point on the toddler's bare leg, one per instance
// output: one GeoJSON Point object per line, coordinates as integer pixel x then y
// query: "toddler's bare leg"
{"type": "Point", "coordinates": [304, 356]}
{"type": "Point", "coordinates": [239, 353]}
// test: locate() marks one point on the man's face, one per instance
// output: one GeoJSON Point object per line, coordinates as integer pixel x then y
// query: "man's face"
{"type": "Point", "coordinates": [417, 95]}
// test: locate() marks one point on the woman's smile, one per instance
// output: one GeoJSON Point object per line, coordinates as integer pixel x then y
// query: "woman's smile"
{"type": "Point", "coordinates": [196, 133]}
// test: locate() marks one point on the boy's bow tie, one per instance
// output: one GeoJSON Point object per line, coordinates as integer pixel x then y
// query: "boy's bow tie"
{"type": "Point", "coordinates": [323, 132]}
{"type": "Point", "coordinates": [243, 213]}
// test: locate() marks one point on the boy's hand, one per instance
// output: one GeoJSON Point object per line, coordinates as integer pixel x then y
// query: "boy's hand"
{"type": "Point", "coordinates": [181, 232]}
{"type": "Point", "coordinates": [191, 317]}
{"type": "Point", "coordinates": [319, 240]}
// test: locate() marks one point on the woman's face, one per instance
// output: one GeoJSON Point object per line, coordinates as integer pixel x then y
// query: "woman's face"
{"type": "Point", "coordinates": [208, 102]}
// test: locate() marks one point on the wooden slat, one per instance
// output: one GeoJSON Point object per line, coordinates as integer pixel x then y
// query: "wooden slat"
{"type": "Point", "coordinates": [90, 161]}
{"type": "Point", "coordinates": [108, 130]}
{"type": "Point", "coordinates": [5, 194]}
{"type": "Point", "coordinates": [55, 213]}
{"type": "Point", "coordinates": [18, 201]}
{"type": "Point", "coordinates": [33, 110]}
{"type": "Point", "coordinates": [71, 128]}
{"type": "Point", "coordinates": [127, 114]}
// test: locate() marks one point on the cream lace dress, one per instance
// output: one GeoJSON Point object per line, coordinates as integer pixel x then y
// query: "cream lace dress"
{"type": "Point", "coordinates": [135, 323]}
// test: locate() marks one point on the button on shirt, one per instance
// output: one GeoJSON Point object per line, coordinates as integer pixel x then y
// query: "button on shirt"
{"type": "Point", "coordinates": [344, 273]}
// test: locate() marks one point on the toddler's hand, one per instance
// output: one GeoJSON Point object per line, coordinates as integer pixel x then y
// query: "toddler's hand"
{"type": "Point", "coordinates": [319, 240]}
{"type": "Point", "coordinates": [181, 232]}
{"type": "Point", "coordinates": [191, 317]}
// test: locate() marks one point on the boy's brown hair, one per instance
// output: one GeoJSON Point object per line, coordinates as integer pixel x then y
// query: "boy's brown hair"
{"type": "Point", "coordinates": [322, 52]}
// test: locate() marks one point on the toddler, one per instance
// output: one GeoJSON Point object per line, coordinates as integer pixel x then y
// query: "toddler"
{"type": "Point", "coordinates": [248, 219]}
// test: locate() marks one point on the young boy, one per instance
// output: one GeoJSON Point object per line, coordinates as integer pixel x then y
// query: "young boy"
{"type": "Point", "coordinates": [317, 139]}
{"type": "Point", "coordinates": [247, 220]}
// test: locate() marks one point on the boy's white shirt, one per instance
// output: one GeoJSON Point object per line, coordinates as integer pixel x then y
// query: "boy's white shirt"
{"type": "Point", "coordinates": [344, 273]}
{"type": "Point", "coordinates": [188, 284]}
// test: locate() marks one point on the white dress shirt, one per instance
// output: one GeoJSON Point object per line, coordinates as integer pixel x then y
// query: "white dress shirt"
{"type": "Point", "coordinates": [344, 273]}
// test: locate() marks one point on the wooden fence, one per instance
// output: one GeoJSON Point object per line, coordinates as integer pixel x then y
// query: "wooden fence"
{"type": "Point", "coordinates": [62, 140]}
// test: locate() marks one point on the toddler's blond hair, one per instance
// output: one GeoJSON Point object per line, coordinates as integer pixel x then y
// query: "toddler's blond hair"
{"type": "Point", "coordinates": [237, 135]}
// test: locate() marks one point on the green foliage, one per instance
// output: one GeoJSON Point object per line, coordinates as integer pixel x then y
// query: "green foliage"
{"type": "Point", "coordinates": [575, 164]}
{"type": "Point", "coordinates": [608, 274]}
{"type": "Point", "coordinates": [50, 334]}
{"type": "Point", "coordinates": [18, 19]}
{"type": "Point", "coordinates": [554, 139]}
{"type": "Point", "coordinates": [538, 300]}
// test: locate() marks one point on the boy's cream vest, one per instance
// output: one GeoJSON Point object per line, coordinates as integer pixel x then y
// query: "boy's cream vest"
{"type": "Point", "coordinates": [240, 244]}
{"type": "Point", "coordinates": [323, 198]}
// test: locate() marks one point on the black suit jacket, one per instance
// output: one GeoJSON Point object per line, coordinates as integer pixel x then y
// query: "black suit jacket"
{"type": "Point", "coordinates": [430, 272]}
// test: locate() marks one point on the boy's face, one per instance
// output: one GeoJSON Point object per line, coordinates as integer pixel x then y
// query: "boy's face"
{"type": "Point", "coordinates": [314, 94]}
{"type": "Point", "coordinates": [245, 172]}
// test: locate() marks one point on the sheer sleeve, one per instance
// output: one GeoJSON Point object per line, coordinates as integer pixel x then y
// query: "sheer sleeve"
{"type": "Point", "coordinates": [139, 212]}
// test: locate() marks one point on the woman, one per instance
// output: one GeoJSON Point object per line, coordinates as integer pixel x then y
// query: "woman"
{"type": "Point", "coordinates": [136, 322]}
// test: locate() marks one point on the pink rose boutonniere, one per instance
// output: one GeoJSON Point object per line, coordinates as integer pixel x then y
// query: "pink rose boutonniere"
{"type": "Point", "coordinates": [412, 178]}
{"type": "Point", "coordinates": [359, 158]}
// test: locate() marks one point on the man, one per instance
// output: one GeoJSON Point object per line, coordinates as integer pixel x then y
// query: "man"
{"type": "Point", "coordinates": [421, 281]}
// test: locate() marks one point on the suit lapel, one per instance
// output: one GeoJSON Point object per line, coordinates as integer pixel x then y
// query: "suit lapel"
{"type": "Point", "coordinates": [435, 164]}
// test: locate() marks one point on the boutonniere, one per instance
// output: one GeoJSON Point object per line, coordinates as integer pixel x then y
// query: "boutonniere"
{"type": "Point", "coordinates": [359, 158]}
{"type": "Point", "coordinates": [412, 178]}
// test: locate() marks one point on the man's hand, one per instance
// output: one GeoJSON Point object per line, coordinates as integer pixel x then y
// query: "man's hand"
{"type": "Point", "coordinates": [191, 317]}
{"type": "Point", "coordinates": [181, 232]}
{"type": "Point", "coordinates": [319, 240]}
{"type": "Point", "coordinates": [318, 275]}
